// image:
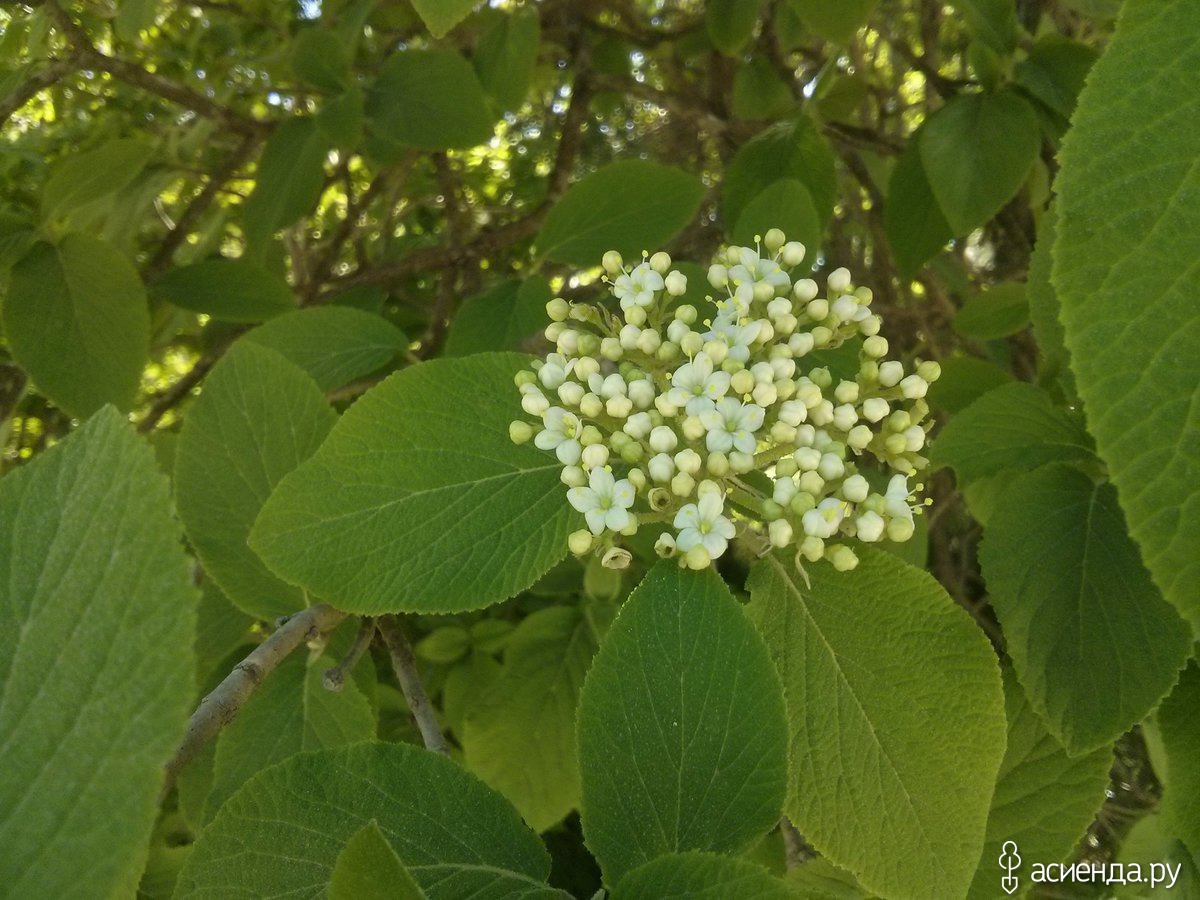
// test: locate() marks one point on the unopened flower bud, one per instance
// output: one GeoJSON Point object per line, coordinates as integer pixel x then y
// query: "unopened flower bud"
{"type": "Point", "coordinates": [688, 461]}
{"type": "Point", "coordinates": [676, 284]}
{"type": "Point", "coordinates": [890, 373]}
{"type": "Point", "coordinates": [774, 239]}
{"type": "Point", "coordinates": [930, 370]}
{"type": "Point", "coordinates": [780, 533]}
{"type": "Point", "coordinates": [520, 432]}
{"type": "Point", "coordinates": [612, 262]}
{"type": "Point", "coordinates": [682, 484]}
{"type": "Point", "coordinates": [595, 456]}
{"type": "Point", "coordinates": [805, 290]}
{"type": "Point", "coordinates": [660, 262]}
{"type": "Point", "coordinates": [842, 557]}
{"type": "Point", "coordinates": [573, 476]}
{"type": "Point", "coordinates": [663, 439]}
{"type": "Point", "coordinates": [697, 558]}
{"type": "Point", "coordinates": [718, 464]}
{"type": "Point", "coordinates": [838, 281]}
{"type": "Point", "coordinates": [718, 276]}
{"type": "Point", "coordinates": [580, 542]}
{"type": "Point", "coordinates": [558, 309]}
{"type": "Point", "coordinates": [914, 386]}
{"type": "Point", "coordinates": [740, 462]}
{"type": "Point", "coordinates": [661, 468]}
{"type": "Point", "coordinates": [859, 437]}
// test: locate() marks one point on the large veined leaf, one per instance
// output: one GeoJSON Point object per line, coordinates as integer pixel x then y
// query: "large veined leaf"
{"type": "Point", "coordinates": [258, 418]}
{"type": "Point", "coordinates": [701, 876]}
{"type": "Point", "coordinates": [1093, 642]}
{"type": "Point", "coordinates": [1179, 726]}
{"type": "Point", "coordinates": [731, 22]}
{"type": "Point", "coordinates": [1126, 259]}
{"type": "Point", "coordinates": [419, 500]}
{"type": "Point", "coordinates": [916, 229]}
{"type": "Point", "coordinates": [282, 833]}
{"type": "Point", "coordinates": [896, 719]}
{"type": "Point", "coordinates": [628, 206]}
{"type": "Point", "coordinates": [504, 318]}
{"type": "Point", "coordinates": [785, 204]}
{"type": "Point", "coordinates": [83, 177]}
{"type": "Point", "coordinates": [834, 20]}
{"type": "Point", "coordinates": [506, 53]}
{"type": "Point", "coordinates": [1044, 799]}
{"type": "Point", "coordinates": [682, 744]}
{"type": "Point", "coordinates": [334, 344]}
{"type": "Point", "coordinates": [291, 176]}
{"type": "Point", "coordinates": [319, 58]}
{"type": "Point", "coordinates": [75, 318]}
{"type": "Point", "coordinates": [792, 149]}
{"type": "Point", "coordinates": [429, 99]}
{"type": "Point", "coordinates": [995, 313]}
{"type": "Point", "coordinates": [976, 152]}
{"type": "Point", "coordinates": [1044, 306]}
{"type": "Point", "coordinates": [519, 734]}
{"type": "Point", "coordinates": [96, 664]}
{"type": "Point", "coordinates": [290, 713]}
{"type": "Point", "coordinates": [1014, 427]}
{"type": "Point", "coordinates": [369, 869]}
{"type": "Point", "coordinates": [235, 290]}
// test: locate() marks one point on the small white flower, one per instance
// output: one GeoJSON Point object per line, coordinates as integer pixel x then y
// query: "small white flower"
{"type": "Point", "coordinates": [702, 525]}
{"type": "Point", "coordinates": [696, 386]}
{"type": "Point", "coordinates": [737, 338]}
{"type": "Point", "coordinates": [869, 526]}
{"type": "Point", "coordinates": [561, 434]}
{"type": "Point", "coordinates": [895, 500]}
{"type": "Point", "coordinates": [823, 522]}
{"type": "Point", "coordinates": [637, 287]}
{"type": "Point", "coordinates": [731, 425]}
{"type": "Point", "coordinates": [604, 502]}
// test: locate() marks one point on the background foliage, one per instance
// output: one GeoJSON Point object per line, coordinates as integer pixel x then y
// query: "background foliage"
{"type": "Point", "coordinates": [221, 224]}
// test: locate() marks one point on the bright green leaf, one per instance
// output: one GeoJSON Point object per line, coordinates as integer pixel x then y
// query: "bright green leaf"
{"type": "Point", "coordinates": [282, 833]}
{"type": "Point", "coordinates": [995, 313]}
{"type": "Point", "coordinates": [791, 149]}
{"type": "Point", "coordinates": [1044, 306]}
{"type": "Point", "coordinates": [419, 501]}
{"type": "Point", "coordinates": [976, 151]}
{"type": "Point", "coordinates": [335, 345]}
{"type": "Point", "coordinates": [445, 645]}
{"type": "Point", "coordinates": [681, 727]}
{"type": "Point", "coordinates": [1094, 644]}
{"type": "Point", "coordinates": [291, 176]}
{"type": "Point", "coordinates": [291, 712]}
{"type": "Point", "coordinates": [784, 204]}
{"type": "Point", "coordinates": [97, 612]}
{"type": "Point", "coordinates": [429, 99]}
{"type": "Point", "coordinates": [1044, 799]}
{"type": "Point", "coordinates": [1014, 427]}
{"type": "Point", "coordinates": [994, 22]}
{"type": "Point", "coordinates": [916, 229]}
{"type": "Point", "coordinates": [319, 58]}
{"type": "Point", "coordinates": [731, 23]}
{"type": "Point", "coordinates": [834, 20]}
{"type": "Point", "coordinates": [1179, 725]}
{"type": "Point", "coordinates": [234, 290]}
{"type": "Point", "coordinates": [440, 16]}
{"type": "Point", "coordinates": [84, 177]}
{"type": "Point", "coordinates": [1125, 262]}
{"type": "Point", "coordinates": [876, 762]}
{"type": "Point", "coordinates": [75, 318]}
{"type": "Point", "coordinates": [511, 316]}
{"type": "Point", "coordinates": [369, 869]}
{"type": "Point", "coordinates": [628, 206]}
{"type": "Point", "coordinates": [258, 418]}
{"type": "Point", "coordinates": [506, 54]}
{"type": "Point", "coordinates": [701, 876]}
{"type": "Point", "coordinates": [519, 734]}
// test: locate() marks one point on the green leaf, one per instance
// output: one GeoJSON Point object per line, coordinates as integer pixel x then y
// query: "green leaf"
{"type": "Point", "coordinates": [510, 315]}
{"type": "Point", "coordinates": [834, 20]}
{"type": "Point", "coordinates": [418, 501]}
{"type": "Point", "coordinates": [220, 629]}
{"type": "Point", "coordinates": [1014, 427]}
{"type": "Point", "coordinates": [319, 58]}
{"type": "Point", "coordinates": [1180, 729]}
{"type": "Point", "coordinates": [429, 99]}
{"type": "Point", "coordinates": [876, 764]}
{"type": "Point", "coordinates": [1128, 240]}
{"type": "Point", "coordinates": [519, 734]}
{"type": "Point", "coordinates": [628, 206]}
{"type": "Point", "coordinates": [1094, 644]}
{"type": "Point", "coordinates": [758, 93]}
{"type": "Point", "coordinates": [1055, 71]}
{"type": "Point", "coordinates": [440, 16]}
{"type": "Point", "coordinates": [992, 21]}
{"type": "Point", "coordinates": [258, 418]}
{"type": "Point", "coordinates": [282, 833]}
{"type": "Point", "coordinates": [791, 149]}
{"type": "Point", "coordinates": [291, 177]}
{"type": "Point", "coordinates": [506, 54]}
{"type": "Point", "coordinates": [1044, 306]}
{"type": "Point", "coordinates": [335, 345]}
{"type": "Point", "coordinates": [995, 313]}
{"type": "Point", "coordinates": [341, 118]}
{"type": "Point", "coordinates": [84, 177]}
{"type": "Point", "coordinates": [731, 23]}
{"type": "Point", "coordinates": [819, 879]}
{"type": "Point", "coordinates": [369, 869]}
{"type": "Point", "coordinates": [784, 204]}
{"type": "Point", "coordinates": [75, 318]}
{"type": "Point", "coordinates": [916, 229]}
{"type": "Point", "coordinates": [1044, 799]}
{"type": "Point", "coordinates": [697, 876]}
{"type": "Point", "coordinates": [97, 610]}
{"type": "Point", "coordinates": [976, 151]}
{"type": "Point", "coordinates": [233, 290]}
{"type": "Point", "coordinates": [291, 712]}
{"type": "Point", "coordinates": [964, 380]}
{"type": "Point", "coordinates": [681, 727]}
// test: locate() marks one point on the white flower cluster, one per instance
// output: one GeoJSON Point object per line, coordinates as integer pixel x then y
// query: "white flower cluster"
{"type": "Point", "coordinates": [727, 426]}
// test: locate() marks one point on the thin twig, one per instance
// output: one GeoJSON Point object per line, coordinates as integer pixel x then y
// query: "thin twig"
{"type": "Point", "coordinates": [410, 683]}
{"type": "Point", "coordinates": [335, 678]}
{"type": "Point", "coordinates": [224, 702]}
{"type": "Point", "coordinates": [37, 83]}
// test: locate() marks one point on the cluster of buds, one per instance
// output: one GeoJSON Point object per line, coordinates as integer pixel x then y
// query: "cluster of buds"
{"type": "Point", "coordinates": [726, 426]}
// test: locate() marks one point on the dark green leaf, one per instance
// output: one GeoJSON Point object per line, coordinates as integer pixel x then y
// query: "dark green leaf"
{"type": "Point", "coordinates": [510, 316]}
{"type": "Point", "coordinates": [291, 176]}
{"type": "Point", "coordinates": [84, 177]}
{"type": "Point", "coordinates": [98, 611]}
{"type": "Point", "coordinates": [1179, 725]}
{"type": "Point", "coordinates": [784, 204]}
{"type": "Point", "coordinates": [233, 290]}
{"type": "Point", "coordinates": [319, 58]}
{"type": "Point", "coordinates": [1055, 71]}
{"type": "Point", "coordinates": [1094, 644]}
{"type": "Point", "coordinates": [758, 92]}
{"type": "Point", "coordinates": [995, 313]}
{"type": "Point", "coordinates": [701, 876]}
{"type": "Point", "coordinates": [916, 229]}
{"type": "Point", "coordinates": [429, 99]}
{"type": "Point", "coordinates": [681, 727]}
{"type": "Point", "coordinates": [506, 54]}
{"type": "Point", "coordinates": [834, 20]}
{"type": "Point", "coordinates": [731, 23]}
{"type": "Point", "coordinates": [369, 869]}
{"type": "Point", "coordinates": [791, 149]}
{"type": "Point", "coordinates": [964, 380]}
{"type": "Point", "coordinates": [992, 21]}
